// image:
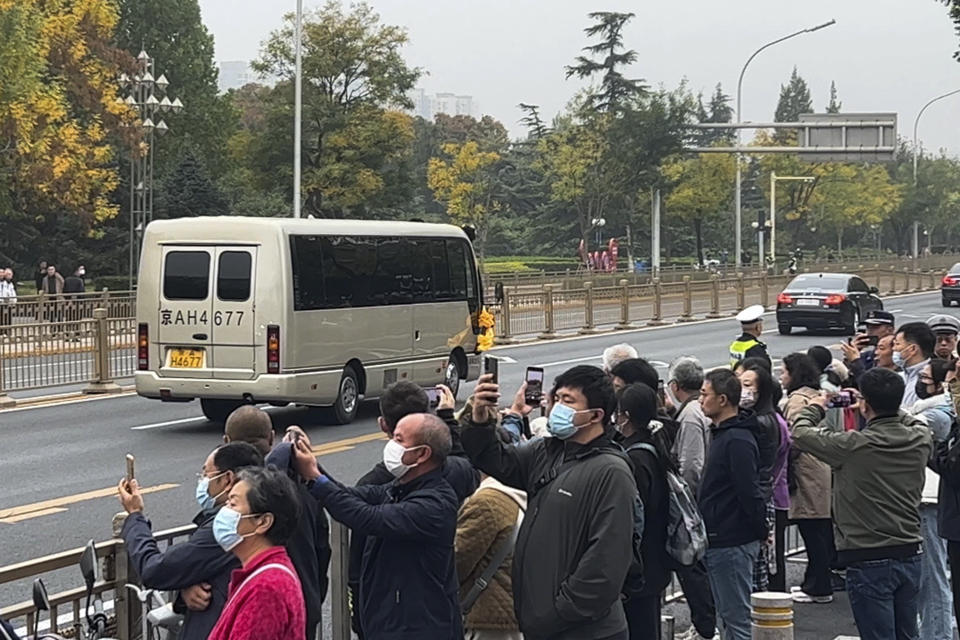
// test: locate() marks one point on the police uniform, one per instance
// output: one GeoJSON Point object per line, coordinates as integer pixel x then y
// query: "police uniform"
{"type": "Point", "coordinates": [747, 345]}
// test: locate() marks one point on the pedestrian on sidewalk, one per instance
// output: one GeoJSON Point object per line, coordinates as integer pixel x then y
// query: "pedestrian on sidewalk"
{"type": "Point", "coordinates": [8, 297]}
{"type": "Point", "coordinates": [809, 480]}
{"type": "Point", "coordinates": [39, 275]}
{"type": "Point", "coordinates": [879, 477]}
{"type": "Point", "coordinates": [731, 502]}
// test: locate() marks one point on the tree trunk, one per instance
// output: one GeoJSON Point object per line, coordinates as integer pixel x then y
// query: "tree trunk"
{"type": "Point", "coordinates": [840, 243]}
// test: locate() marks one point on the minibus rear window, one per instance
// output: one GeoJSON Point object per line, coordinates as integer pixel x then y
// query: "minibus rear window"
{"type": "Point", "coordinates": [233, 276]}
{"type": "Point", "coordinates": [186, 275]}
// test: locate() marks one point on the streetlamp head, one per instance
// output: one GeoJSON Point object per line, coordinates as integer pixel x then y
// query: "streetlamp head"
{"type": "Point", "coordinates": [165, 104]}
{"type": "Point", "coordinates": [152, 101]}
{"type": "Point", "coordinates": [147, 79]}
{"type": "Point", "coordinates": [821, 26]}
{"type": "Point", "coordinates": [148, 124]}
{"type": "Point", "coordinates": [176, 105]}
{"type": "Point", "coordinates": [131, 101]}
{"type": "Point", "coordinates": [162, 127]}
{"type": "Point", "coordinates": [162, 82]}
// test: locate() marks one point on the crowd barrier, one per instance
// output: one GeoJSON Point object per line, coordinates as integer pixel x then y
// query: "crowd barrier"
{"type": "Point", "coordinates": [67, 606]}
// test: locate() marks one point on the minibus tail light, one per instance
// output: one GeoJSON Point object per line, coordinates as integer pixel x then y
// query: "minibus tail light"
{"type": "Point", "coordinates": [273, 349]}
{"type": "Point", "coordinates": [143, 346]}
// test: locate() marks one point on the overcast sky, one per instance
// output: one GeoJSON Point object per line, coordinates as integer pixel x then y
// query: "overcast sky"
{"type": "Point", "coordinates": [885, 55]}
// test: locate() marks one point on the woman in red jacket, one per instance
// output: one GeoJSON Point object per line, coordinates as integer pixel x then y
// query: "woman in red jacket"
{"type": "Point", "coordinates": [265, 600]}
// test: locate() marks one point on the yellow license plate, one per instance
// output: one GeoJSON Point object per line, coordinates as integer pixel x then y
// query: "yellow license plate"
{"type": "Point", "coordinates": [186, 358]}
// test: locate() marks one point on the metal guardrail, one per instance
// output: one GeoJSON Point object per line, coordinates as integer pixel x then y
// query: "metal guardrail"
{"type": "Point", "coordinates": [125, 619]}
{"type": "Point", "coordinates": [553, 310]}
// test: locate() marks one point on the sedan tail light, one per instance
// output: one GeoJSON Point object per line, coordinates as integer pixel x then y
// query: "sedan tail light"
{"type": "Point", "coordinates": [834, 299]}
{"type": "Point", "coordinates": [785, 298]}
{"type": "Point", "coordinates": [950, 281]}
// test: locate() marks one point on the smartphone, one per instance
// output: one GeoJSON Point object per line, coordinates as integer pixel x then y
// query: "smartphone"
{"type": "Point", "coordinates": [433, 396]}
{"type": "Point", "coordinates": [873, 340]}
{"type": "Point", "coordinates": [534, 393]}
{"type": "Point", "coordinates": [842, 400]}
{"type": "Point", "coordinates": [491, 365]}
{"type": "Point", "coordinates": [661, 392]}
{"type": "Point", "coordinates": [130, 462]}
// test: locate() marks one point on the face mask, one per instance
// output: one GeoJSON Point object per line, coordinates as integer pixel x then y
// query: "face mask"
{"type": "Point", "coordinates": [922, 392]}
{"type": "Point", "coordinates": [393, 458]}
{"type": "Point", "coordinates": [560, 423]}
{"type": "Point", "coordinates": [898, 359]}
{"type": "Point", "coordinates": [225, 528]}
{"type": "Point", "coordinates": [747, 399]}
{"type": "Point", "coordinates": [204, 499]}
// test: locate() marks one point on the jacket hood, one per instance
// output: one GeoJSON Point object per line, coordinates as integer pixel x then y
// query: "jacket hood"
{"type": "Point", "coordinates": [282, 458]}
{"type": "Point", "coordinates": [517, 495]}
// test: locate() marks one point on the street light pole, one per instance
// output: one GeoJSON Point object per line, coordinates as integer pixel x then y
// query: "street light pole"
{"type": "Point", "coordinates": [297, 108]}
{"type": "Point", "coordinates": [739, 179]}
{"type": "Point", "coordinates": [916, 123]}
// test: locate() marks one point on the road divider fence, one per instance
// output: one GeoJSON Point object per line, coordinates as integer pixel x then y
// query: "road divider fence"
{"type": "Point", "coordinates": [555, 311]}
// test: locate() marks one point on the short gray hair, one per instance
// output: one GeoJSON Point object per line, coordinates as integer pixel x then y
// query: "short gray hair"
{"type": "Point", "coordinates": [435, 434]}
{"type": "Point", "coordinates": [687, 373]}
{"type": "Point", "coordinates": [612, 356]}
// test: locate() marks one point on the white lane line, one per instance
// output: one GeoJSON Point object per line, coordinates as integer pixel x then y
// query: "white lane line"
{"type": "Point", "coordinates": [574, 361]}
{"type": "Point", "coordinates": [168, 423]}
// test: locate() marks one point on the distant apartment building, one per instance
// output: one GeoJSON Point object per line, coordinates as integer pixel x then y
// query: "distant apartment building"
{"type": "Point", "coordinates": [235, 74]}
{"type": "Point", "coordinates": [427, 106]}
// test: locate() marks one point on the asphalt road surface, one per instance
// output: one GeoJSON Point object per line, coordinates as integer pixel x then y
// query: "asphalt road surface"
{"type": "Point", "coordinates": [60, 463]}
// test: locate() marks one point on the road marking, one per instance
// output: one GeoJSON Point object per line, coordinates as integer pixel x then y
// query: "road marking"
{"type": "Point", "coordinates": [168, 423]}
{"type": "Point", "coordinates": [37, 509]}
{"type": "Point", "coordinates": [347, 443]}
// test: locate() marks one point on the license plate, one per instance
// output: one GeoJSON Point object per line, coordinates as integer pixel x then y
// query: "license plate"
{"type": "Point", "coordinates": [186, 358]}
{"type": "Point", "coordinates": [808, 302]}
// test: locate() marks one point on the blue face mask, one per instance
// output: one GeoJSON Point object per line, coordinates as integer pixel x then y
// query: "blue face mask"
{"type": "Point", "coordinates": [206, 501]}
{"type": "Point", "coordinates": [898, 359]}
{"type": "Point", "coordinates": [560, 423]}
{"type": "Point", "coordinates": [225, 528]}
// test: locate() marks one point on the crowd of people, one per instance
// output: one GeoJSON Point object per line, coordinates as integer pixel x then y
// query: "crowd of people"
{"type": "Point", "coordinates": [493, 523]}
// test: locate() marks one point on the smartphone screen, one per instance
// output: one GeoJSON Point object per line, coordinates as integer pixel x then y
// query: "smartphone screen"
{"type": "Point", "coordinates": [534, 391]}
{"type": "Point", "coordinates": [661, 392]}
{"type": "Point", "coordinates": [492, 366]}
{"type": "Point", "coordinates": [873, 340]}
{"type": "Point", "coordinates": [433, 395]}
{"type": "Point", "coordinates": [843, 399]}
{"type": "Point", "coordinates": [130, 470]}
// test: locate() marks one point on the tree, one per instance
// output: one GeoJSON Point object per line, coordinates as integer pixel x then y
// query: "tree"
{"type": "Point", "coordinates": [356, 144]}
{"type": "Point", "coordinates": [190, 191]}
{"type": "Point", "coordinates": [719, 111]}
{"type": "Point", "coordinates": [173, 33]}
{"type": "Point", "coordinates": [59, 112]}
{"type": "Point", "coordinates": [834, 106]}
{"type": "Point", "coordinates": [531, 119]}
{"type": "Point", "coordinates": [466, 184]}
{"type": "Point", "coordinates": [488, 132]}
{"type": "Point", "coordinates": [954, 12]}
{"type": "Point", "coordinates": [701, 188]}
{"type": "Point", "coordinates": [794, 100]}
{"type": "Point", "coordinates": [615, 89]}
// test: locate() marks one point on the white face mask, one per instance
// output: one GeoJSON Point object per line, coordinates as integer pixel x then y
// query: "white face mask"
{"type": "Point", "coordinates": [393, 458]}
{"type": "Point", "coordinates": [747, 399]}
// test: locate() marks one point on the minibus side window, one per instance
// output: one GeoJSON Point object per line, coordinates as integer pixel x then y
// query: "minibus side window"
{"type": "Point", "coordinates": [186, 275]}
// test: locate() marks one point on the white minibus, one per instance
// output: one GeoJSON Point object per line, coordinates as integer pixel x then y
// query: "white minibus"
{"type": "Point", "coordinates": [325, 313]}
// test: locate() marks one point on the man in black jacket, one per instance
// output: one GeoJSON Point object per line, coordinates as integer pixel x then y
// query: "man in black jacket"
{"type": "Point", "coordinates": [731, 501]}
{"type": "Point", "coordinates": [408, 583]}
{"type": "Point", "coordinates": [400, 400]}
{"type": "Point", "coordinates": [199, 568]}
{"type": "Point", "coordinates": [574, 546]}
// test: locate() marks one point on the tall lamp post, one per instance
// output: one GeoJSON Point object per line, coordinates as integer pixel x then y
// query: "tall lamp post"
{"type": "Point", "coordinates": [736, 197]}
{"type": "Point", "coordinates": [297, 106]}
{"type": "Point", "coordinates": [144, 88]}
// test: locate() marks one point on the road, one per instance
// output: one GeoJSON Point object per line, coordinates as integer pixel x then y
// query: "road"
{"type": "Point", "coordinates": [61, 462]}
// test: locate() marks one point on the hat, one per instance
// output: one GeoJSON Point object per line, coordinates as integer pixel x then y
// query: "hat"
{"type": "Point", "coordinates": [751, 314]}
{"type": "Point", "coordinates": [879, 317]}
{"type": "Point", "coordinates": [942, 323]}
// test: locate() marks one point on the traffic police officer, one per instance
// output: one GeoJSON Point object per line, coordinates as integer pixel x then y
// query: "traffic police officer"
{"type": "Point", "coordinates": [946, 328]}
{"type": "Point", "coordinates": [748, 345]}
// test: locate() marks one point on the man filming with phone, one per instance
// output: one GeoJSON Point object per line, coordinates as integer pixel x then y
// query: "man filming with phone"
{"type": "Point", "coordinates": [866, 350]}
{"type": "Point", "coordinates": [878, 478]}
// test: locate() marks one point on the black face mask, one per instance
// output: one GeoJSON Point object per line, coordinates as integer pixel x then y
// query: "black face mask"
{"type": "Point", "coordinates": [922, 391]}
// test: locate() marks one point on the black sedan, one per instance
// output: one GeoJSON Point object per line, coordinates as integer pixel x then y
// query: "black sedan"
{"type": "Point", "coordinates": [950, 286]}
{"type": "Point", "coordinates": [825, 301]}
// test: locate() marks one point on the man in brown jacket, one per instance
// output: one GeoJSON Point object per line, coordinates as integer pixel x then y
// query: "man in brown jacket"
{"type": "Point", "coordinates": [485, 523]}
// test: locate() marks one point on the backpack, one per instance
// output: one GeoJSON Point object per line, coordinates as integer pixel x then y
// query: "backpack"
{"type": "Point", "coordinates": [686, 541]}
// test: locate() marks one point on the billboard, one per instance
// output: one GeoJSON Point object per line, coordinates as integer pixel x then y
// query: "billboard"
{"type": "Point", "coordinates": [848, 137]}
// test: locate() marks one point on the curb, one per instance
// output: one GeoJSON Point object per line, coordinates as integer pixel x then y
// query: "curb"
{"type": "Point", "coordinates": [63, 398]}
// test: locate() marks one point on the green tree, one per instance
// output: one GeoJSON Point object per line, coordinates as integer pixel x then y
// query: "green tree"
{"type": "Point", "coordinates": [701, 188]}
{"type": "Point", "coordinates": [466, 182]}
{"type": "Point", "coordinates": [834, 106]}
{"type": "Point", "coordinates": [615, 89]}
{"type": "Point", "coordinates": [356, 152]}
{"type": "Point", "coordinates": [531, 119]}
{"type": "Point", "coordinates": [191, 192]}
{"type": "Point", "coordinates": [173, 33]}
{"type": "Point", "coordinates": [794, 100]}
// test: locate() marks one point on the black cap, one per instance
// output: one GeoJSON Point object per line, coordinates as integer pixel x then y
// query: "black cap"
{"type": "Point", "coordinates": [879, 317]}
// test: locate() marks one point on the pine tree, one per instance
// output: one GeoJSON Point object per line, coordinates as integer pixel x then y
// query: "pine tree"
{"type": "Point", "coordinates": [794, 99]}
{"type": "Point", "coordinates": [835, 105]}
{"type": "Point", "coordinates": [190, 191]}
{"type": "Point", "coordinates": [615, 89]}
